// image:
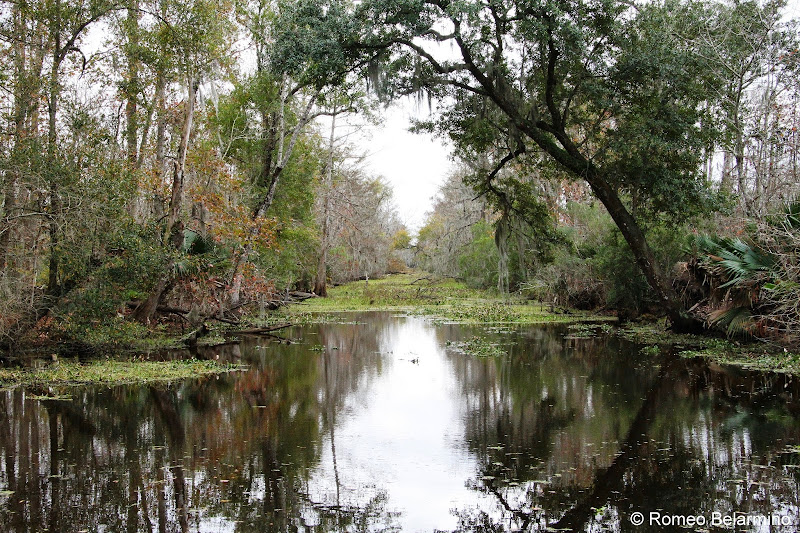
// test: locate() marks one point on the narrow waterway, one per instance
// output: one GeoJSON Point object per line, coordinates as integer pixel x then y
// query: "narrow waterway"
{"type": "Point", "coordinates": [383, 423]}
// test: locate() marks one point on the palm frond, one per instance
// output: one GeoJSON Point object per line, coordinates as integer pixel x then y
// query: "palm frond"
{"type": "Point", "coordinates": [737, 320]}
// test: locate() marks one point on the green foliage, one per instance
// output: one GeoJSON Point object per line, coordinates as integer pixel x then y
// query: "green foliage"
{"type": "Point", "coordinates": [401, 240]}
{"type": "Point", "coordinates": [132, 261]}
{"type": "Point", "coordinates": [655, 90]}
{"type": "Point", "coordinates": [477, 262]}
{"type": "Point", "coordinates": [739, 262]}
{"type": "Point", "coordinates": [313, 42]}
{"type": "Point", "coordinates": [752, 282]}
{"type": "Point", "coordinates": [626, 288]}
{"type": "Point", "coordinates": [595, 267]}
{"type": "Point", "coordinates": [289, 264]}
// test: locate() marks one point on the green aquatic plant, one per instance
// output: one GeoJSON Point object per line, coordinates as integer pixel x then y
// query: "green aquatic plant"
{"type": "Point", "coordinates": [112, 372]}
{"type": "Point", "coordinates": [479, 346]}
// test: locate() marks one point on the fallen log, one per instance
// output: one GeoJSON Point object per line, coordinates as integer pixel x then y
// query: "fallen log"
{"type": "Point", "coordinates": [301, 296]}
{"type": "Point", "coordinates": [260, 331]}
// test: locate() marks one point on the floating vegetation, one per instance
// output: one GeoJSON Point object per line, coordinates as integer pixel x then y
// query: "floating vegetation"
{"type": "Point", "coordinates": [753, 355]}
{"type": "Point", "coordinates": [478, 346]}
{"type": "Point", "coordinates": [650, 350]}
{"type": "Point", "coordinates": [111, 372]}
{"type": "Point", "coordinates": [756, 357]}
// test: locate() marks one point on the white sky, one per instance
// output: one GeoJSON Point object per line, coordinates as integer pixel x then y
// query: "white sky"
{"type": "Point", "coordinates": [415, 165]}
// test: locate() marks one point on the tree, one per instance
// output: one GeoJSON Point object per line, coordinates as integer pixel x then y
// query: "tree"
{"type": "Point", "coordinates": [299, 77]}
{"type": "Point", "coordinates": [605, 90]}
{"type": "Point", "coordinates": [753, 54]}
{"type": "Point", "coordinates": [44, 36]}
{"type": "Point", "coordinates": [196, 38]}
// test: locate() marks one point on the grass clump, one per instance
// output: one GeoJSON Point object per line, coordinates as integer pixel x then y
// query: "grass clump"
{"type": "Point", "coordinates": [120, 333]}
{"type": "Point", "coordinates": [111, 372]}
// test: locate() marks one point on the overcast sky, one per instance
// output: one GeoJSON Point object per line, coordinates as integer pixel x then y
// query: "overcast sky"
{"type": "Point", "coordinates": [414, 164]}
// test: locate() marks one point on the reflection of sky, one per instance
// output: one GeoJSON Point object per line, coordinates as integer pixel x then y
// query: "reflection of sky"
{"type": "Point", "coordinates": [405, 438]}
{"type": "Point", "coordinates": [400, 434]}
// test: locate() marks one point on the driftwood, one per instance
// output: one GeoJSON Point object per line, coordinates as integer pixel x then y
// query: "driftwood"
{"type": "Point", "coordinates": [182, 313]}
{"type": "Point", "coordinates": [289, 297]}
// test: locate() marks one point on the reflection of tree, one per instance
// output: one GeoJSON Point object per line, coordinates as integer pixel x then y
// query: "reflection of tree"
{"type": "Point", "coordinates": [165, 405]}
{"type": "Point", "coordinates": [659, 462]}
{"type": "Point", "coordinates": [169, 458]}
{"type": "Point", "coordinates": [564, 432]}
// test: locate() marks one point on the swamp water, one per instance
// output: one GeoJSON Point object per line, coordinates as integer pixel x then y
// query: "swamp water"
{"type": "Point", "coordinates": [384, 423]}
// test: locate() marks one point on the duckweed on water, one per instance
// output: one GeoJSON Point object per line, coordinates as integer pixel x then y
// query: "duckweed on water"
{"type": "Point", "coordinates": [111, 372]}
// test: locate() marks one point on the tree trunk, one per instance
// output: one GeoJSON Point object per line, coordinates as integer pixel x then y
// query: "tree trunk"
{"type": "Point", "coordinates": [131, 91]}
{"type": "Point", "coordinates": [642, 252]}
{"type": "Point", "coordinates": [55, 201]}
{"type": "Point", "coordinates": [144, 313]}
{"type": "Point", "coordinates": [502, 233]}
{"type": "Point", "coordinates": [7, 228]}
{"type": "Point", "coordinates": [320, 283]}
{"type": "Point", "coordinates": [171, 238]}
{"type": "Point", "coordinates": [179, 168]}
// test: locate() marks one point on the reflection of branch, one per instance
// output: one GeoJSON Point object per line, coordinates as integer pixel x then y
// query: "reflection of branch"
{"type": "Point", "coordinates": [175, 430]}
{"type": "Point", "coordinates": [526, 517]}
{"type": "Point", "coordinates": [609, 480]}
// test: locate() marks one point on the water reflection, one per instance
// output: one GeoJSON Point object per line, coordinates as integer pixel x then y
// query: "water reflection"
{"type": "Point", "coordinates": [381, 424]}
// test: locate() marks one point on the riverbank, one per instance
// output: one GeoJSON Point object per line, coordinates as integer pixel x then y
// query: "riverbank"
{"type": "Point", "coordinates": [440, 300]}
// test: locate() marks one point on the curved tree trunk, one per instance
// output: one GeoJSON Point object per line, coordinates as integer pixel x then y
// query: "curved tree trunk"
{"type": "Point", "coordinates": [644, 256]}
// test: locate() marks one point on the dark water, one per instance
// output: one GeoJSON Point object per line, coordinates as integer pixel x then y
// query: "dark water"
{"type": "Point", "coordinates": [385, 425]}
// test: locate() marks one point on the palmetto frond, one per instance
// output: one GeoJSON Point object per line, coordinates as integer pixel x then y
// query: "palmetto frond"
{"type": "Point", "coordinates": [739, 262]}
{"type": "Point", "coordinates": [736, 320]}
